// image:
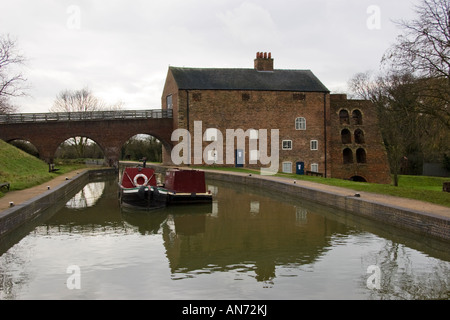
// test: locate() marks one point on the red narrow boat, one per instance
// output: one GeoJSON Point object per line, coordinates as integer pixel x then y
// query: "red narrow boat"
{"type": "Point", "coordinates": [137, 188]}
{"type": "Point", "coordinates": [186, 186]}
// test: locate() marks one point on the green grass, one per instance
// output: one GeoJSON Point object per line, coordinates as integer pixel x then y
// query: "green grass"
{"type": "Point", "coordinates": [23, 171]}
{"type": "Point", "coordinates": [423, 188]}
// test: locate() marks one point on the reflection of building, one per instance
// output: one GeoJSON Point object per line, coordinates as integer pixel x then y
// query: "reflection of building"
{"type": "Point", "coordinates": [250, 232]}
{"type": "Point", "coordinates": [293, 101]}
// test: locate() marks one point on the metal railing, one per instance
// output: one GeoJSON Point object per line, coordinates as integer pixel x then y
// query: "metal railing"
{"type": "Point", "coordinates": [85, 116]}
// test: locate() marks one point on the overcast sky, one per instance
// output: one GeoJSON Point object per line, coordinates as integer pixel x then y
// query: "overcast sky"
{"type": "Point", "coordinates": [121, 50]}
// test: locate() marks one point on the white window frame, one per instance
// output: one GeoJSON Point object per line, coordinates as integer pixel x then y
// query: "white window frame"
{"type": "Point", "coordinates": [289, 143]}
{"type": "Point", "coordinates": [314, 167]}
{"type": "Point", "coordinates": [286, 167]}
{"type": "Point", "coordinates": [314, 145]}
{"type": "Point", "coordinates": [300, 123]}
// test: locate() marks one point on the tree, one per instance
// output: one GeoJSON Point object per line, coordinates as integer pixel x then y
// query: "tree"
{"type": "Point", "coordinates": [11, 80]}
{"type": "Point", "coordinates": [394, 96]}
{"type": "Point", "coordinates": [80, 101]}
{"type": "Point", "coordinates": [423, 49]}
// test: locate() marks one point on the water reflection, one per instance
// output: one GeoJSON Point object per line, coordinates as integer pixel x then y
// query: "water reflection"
{"type": "Point", "coordinates": [87, 197]}
{"type": "Point", "coordinates": [263, 243]}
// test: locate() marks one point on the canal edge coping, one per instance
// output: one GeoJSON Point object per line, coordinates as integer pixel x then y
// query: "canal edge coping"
{"type": "Point", "coordinates": [14, 217]}
{"type": "Point", "coordinates": [413, 220]}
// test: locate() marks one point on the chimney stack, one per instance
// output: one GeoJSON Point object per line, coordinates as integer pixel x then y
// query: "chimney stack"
{"type": "Point", "coordinates": [264, 61]}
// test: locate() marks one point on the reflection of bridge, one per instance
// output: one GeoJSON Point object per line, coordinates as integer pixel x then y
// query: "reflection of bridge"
{"type": "Point", "coordinates": [109, 129]}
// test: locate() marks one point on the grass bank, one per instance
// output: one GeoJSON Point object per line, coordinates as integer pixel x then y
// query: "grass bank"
{"type": "Point", "coordinates": [423, 188]}
{"type": "Point", "coordinates": [23, 171]}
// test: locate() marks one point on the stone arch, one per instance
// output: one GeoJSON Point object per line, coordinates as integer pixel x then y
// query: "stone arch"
{"type": "Point", "coordinates": [357, 117]}
{"type": "Point", "coordinates": [346, 136]}
{"type": "Point", "coordinates": [66, 137]}
{"type": "Point", "coordinates": [358, 179]}
{"type": "Point", "coordinates": [347, 156]}
{"type": "Point", "coordinates": [344, 117]}
{"type": "Point", "coordinates": [25, 145]}
{"type": "Point", "coordinates": [361, 155]}
{"type": "Point", "coordinates": [359, 136]}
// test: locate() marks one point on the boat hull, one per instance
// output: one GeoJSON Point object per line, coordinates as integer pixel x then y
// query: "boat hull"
{"type": "Point", "coordinates": [142, 197]}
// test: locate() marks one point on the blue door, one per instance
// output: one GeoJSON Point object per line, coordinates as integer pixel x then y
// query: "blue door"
{"type": "Point", "coordinates": [239, 158]}
{"type": "Point", "coordinates": [300, 168]}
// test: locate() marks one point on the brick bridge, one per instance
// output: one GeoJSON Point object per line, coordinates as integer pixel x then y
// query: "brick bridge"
{"type": "Point", "coordinates": [109, 129]}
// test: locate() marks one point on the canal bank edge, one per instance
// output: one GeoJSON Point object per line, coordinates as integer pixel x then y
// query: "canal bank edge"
{"type": "Point", "coordinates": [18, 215]}
{"type": "Point", "coordinates": [426, 223]}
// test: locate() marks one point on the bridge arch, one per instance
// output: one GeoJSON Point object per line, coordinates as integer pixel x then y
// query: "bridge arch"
{"type": "Point", "coordinates": [109, 129]}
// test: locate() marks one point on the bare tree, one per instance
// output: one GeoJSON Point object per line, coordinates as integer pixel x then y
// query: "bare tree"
{"type": "Point", "coordinates": [394, 98]}
{"type": "Point", "coordinates": [423, 49]}
{"type": "Point", "coordinates": [11, 80]}
{"type": "Point", "coordinates": [80, 101]}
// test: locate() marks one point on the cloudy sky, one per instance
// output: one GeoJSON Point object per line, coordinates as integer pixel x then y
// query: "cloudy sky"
{"type": "Point", "coordinates": [121, 50]}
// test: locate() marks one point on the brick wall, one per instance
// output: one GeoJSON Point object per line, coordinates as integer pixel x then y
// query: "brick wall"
{"type": "Point", "coordinates": [347, 134]}
{"type": "Point", "coordinates": [240, 109]}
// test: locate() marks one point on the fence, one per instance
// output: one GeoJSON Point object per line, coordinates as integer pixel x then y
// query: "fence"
{"type": "Point", "coordinates": [85, 116]}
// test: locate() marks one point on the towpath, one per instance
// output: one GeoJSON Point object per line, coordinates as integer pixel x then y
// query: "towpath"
{"type": "Point", "coordinates": [20, 196]}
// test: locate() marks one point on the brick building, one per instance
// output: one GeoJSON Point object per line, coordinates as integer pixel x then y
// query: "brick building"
{"type": "Point", "coordinates": [308, 118]}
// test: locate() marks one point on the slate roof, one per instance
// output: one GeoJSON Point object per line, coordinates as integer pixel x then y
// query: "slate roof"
{"type": "Point", "coordinates": [246, 79]}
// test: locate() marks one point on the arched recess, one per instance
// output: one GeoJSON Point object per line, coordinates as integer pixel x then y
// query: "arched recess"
{"type": "Point", "coordinates": [25, 145]}
{"type": "Point", "coordinates": [358, 179]}
{"type": "Point", "coordinates": [357, 117]}
{"type": "Point", "coordinates": [79, 147]}
{"type": "Point", "coordinates": [142, 146]}
{"type": "Point", "coordinates": [361, 155]}
{"type": "Point", "coordinates": [347, 155]}
{"type": "Point", "coordinates": [359, 136]}
{"type": "Point", "coordinates": [346, 136]}
{"type": "Point", "coordinates": [344, 117]}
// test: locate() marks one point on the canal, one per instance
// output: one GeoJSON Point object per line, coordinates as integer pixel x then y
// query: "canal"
{"type": "Point", "coordinates": [248, 244]}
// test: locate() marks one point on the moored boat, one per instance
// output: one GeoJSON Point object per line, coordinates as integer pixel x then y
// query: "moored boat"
{"type": "Point", "coordinates": [186, 186]}
{"type": "Point", "coordinates": [138, 188]}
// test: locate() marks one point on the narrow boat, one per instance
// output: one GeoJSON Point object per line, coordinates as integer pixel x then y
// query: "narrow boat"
{"type": "Point", "coordinates": [138, 188]}
{"type": "Point", "coordinates": [186, 186]}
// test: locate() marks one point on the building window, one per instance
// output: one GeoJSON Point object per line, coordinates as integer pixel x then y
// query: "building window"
{"type": "Point", "coordinates": [346, 136]}
{"type": "Point", "coordinates": [359, 136]}
{"type": "Point", "coordinates": [347, 155]}
{"type": "Point", "coordinates": [169, 102]}
{"type": "Point", "coordinates": [361, 155]}
{"type": "Point", "coordinates": [245, 97]}
{"type": "Point", "coordinates": [356, 117]}
{"type": "Point", "coordinates": [298, 96]}
{"type": "Point", "coordinates": [287, 167]}
{"type": "Point", "coordinates": [314, 144]}
{"type": "Point", "coordinates": [315, 167]}
{"type": "Point", "coordinates": [300, 123]}
{"type": "Point", "coordinates": [344, 117]}
{"type": "Point", "coordinates": [287, 144]}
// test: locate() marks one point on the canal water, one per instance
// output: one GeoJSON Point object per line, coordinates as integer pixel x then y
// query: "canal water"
{"type": "Point", "coordinates": [248, 244]}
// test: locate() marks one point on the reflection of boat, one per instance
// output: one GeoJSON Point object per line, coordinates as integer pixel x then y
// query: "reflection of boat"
{"type": "Point", "coordinates": [186, 186]}
{"type": "Point", "coordinates": [137, 188]}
